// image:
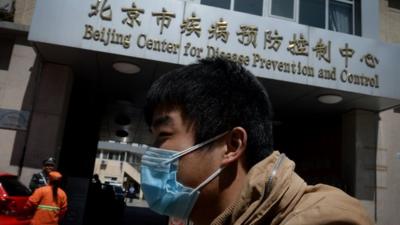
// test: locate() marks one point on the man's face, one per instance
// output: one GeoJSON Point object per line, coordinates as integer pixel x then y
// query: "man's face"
{"type": "Point", "coordinates": [173, 133]}
{"type": "Point", "coordinates": [47, 168]}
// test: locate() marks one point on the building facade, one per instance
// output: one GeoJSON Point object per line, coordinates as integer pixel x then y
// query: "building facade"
{"type": "Point", "coordinates": [388, 154]}
{"type": "Point", "coordinates": [74, 87]}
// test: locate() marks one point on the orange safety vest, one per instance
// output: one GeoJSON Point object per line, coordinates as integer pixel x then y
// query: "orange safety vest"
{"type": "Point", "coordinates": [48, 212]}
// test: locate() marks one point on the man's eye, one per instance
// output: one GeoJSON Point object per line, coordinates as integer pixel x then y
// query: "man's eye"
{"type": "Point", "coordinates": [161, 138]}
{"type": "Point", "coordinates": [164, 134]}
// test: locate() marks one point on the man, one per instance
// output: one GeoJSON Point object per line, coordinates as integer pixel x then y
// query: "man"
{"type": "Point", "coordinates": [213, 161]}
{"type": "Point", "coordinates": [95, 205]}
{"type": "Point", "coordinates": [131, 193]}
{"type": "Point", "coordinates": [42, 178]}
{"type": "Point", "coordinates": [96, 183]}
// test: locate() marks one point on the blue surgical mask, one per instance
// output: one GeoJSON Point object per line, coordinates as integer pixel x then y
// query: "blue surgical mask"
{"type": "Point", "coordinates": [162, 191]}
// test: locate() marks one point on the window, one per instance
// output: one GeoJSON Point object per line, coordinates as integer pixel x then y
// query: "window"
{"type": "Point", "coordinates": [394, 4]}
{"type": "Point", "coordinates": [336, 15]}
{"type": "Point", "coordinates": [341, 17]}
{"type": "Point", "coordinates": [396, 110]}
{"type": "Point", "coordinates": [254, 7]}
{"type": "Point", "coordinates": [282, 8]}
{"type": "Point", "coordinates": [105, 155]}
{"type": "Point", "coordinates": [110, 155]}
{"type": "Point", "coordinates": [135, 159]}
{"type": "Point", "coordinates": [113, 155]}
{"type": "Point", "coordinates": [129, 157]}
{"type": "Point", "coordinates": [111, 178]}
{"type": "Point", "coordinates": [7, 10]}
{"type": "Point", "coordinates": [312, 13]}
{"type": "Point", "coordinates": [225, 4]}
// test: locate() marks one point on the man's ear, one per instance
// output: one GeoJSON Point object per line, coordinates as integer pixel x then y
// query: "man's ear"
{"type": "Point", "coordinates": [236, 143]}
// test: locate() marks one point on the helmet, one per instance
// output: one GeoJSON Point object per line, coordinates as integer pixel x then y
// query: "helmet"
{"type": "Point", "coordinates": [54, 175]}
{"type": "Point", "coordinates": [50, 161]}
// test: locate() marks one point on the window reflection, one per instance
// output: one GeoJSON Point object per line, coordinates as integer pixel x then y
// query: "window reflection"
{"type": "Point", "coordinates": [282, 8]}
{"type": "Point", "coordinates": [340, 17]}
{"type": "Point", "coordinates": [312, 12]}
{"type": "Point", "coordinates": [254, 7]}
{"type": "Point", "coordinates": [225, 4]}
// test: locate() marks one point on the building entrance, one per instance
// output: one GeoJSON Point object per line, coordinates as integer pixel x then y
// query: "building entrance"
{"type": "Point", "coordinates": [99, 154]}
{"type": "Point", "coordinates": [104, 126]}
{"type": "Point", "coordinates": [314, 143]}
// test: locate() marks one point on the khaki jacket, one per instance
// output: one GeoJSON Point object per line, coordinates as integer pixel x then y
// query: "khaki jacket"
{"type": "Point", "coordinates": [274, 194]}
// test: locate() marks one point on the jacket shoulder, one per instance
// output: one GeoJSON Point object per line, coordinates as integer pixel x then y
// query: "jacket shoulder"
{"type": "Point", "coordinates": [41, 189]}
{"type": "Point", "coordinates": [37, 194]}
{"type": "Point", "coordinates": [62, 193]}
{"type": "Point", "coordinates": [323, 204]}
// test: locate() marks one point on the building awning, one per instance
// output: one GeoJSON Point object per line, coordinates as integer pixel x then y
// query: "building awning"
{"type": "Point", "coordinates": [307, 60]}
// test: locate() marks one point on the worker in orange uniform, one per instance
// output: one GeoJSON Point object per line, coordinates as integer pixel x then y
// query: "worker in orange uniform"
{"type": "Point", "coordinates": [50, 202]}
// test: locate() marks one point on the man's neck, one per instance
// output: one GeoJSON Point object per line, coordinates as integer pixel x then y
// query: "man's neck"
{"type": "Point", "coordinates": [229, 188]}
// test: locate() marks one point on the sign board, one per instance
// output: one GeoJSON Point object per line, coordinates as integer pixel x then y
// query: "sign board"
{"type": "Point", "coordinates": [14, 119]}
{"type": "Point", "coordinates": [180, 32]}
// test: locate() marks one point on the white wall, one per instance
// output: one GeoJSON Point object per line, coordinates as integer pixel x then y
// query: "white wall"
{"type": "Point", "coordinates": [24, 11]}
{"type": "Point", "coordinates": [13, 84]}
{"type": "Point", "coordinates": [388, 169]}
{"type": "Point", "coordinates": [388, 154]}
{"type": "Point", "coordinates": [370, 19]}
{"type": "Point", "coordinates": [389, 23]}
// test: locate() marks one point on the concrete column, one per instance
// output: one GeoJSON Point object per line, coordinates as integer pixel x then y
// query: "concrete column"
{"type": "Point", "coordinates": [48, 116]}
{"type": "Point", "coordinates": [360, 133]}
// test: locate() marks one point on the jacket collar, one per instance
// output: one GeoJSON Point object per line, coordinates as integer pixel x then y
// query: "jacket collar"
{"type": "Point", "coordinates": [271, 191]}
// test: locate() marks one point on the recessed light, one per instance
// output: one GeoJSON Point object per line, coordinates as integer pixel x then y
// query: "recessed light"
{"type": "Point", "coordinates": [330, 99]}
{"type": "Point", "coordinates": [126, 67]}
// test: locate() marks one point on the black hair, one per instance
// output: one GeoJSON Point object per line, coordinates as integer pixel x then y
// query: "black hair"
{"type": "Point", "coordinates": [55, 184]}
{"type": "Point", "coordinates": [216, 95]}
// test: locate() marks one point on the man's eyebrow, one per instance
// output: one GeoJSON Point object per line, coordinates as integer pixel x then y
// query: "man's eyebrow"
{"type": "Point", "coordinates": [159, 121]}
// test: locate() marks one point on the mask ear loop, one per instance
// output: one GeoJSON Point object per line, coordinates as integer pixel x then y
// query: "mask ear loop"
{"type": "Point", "coordinates": [204, 183]}
{"type": "Point", "coordinates": [194, 147]}
{"type": "Point", "coordinates": [208, 180]}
